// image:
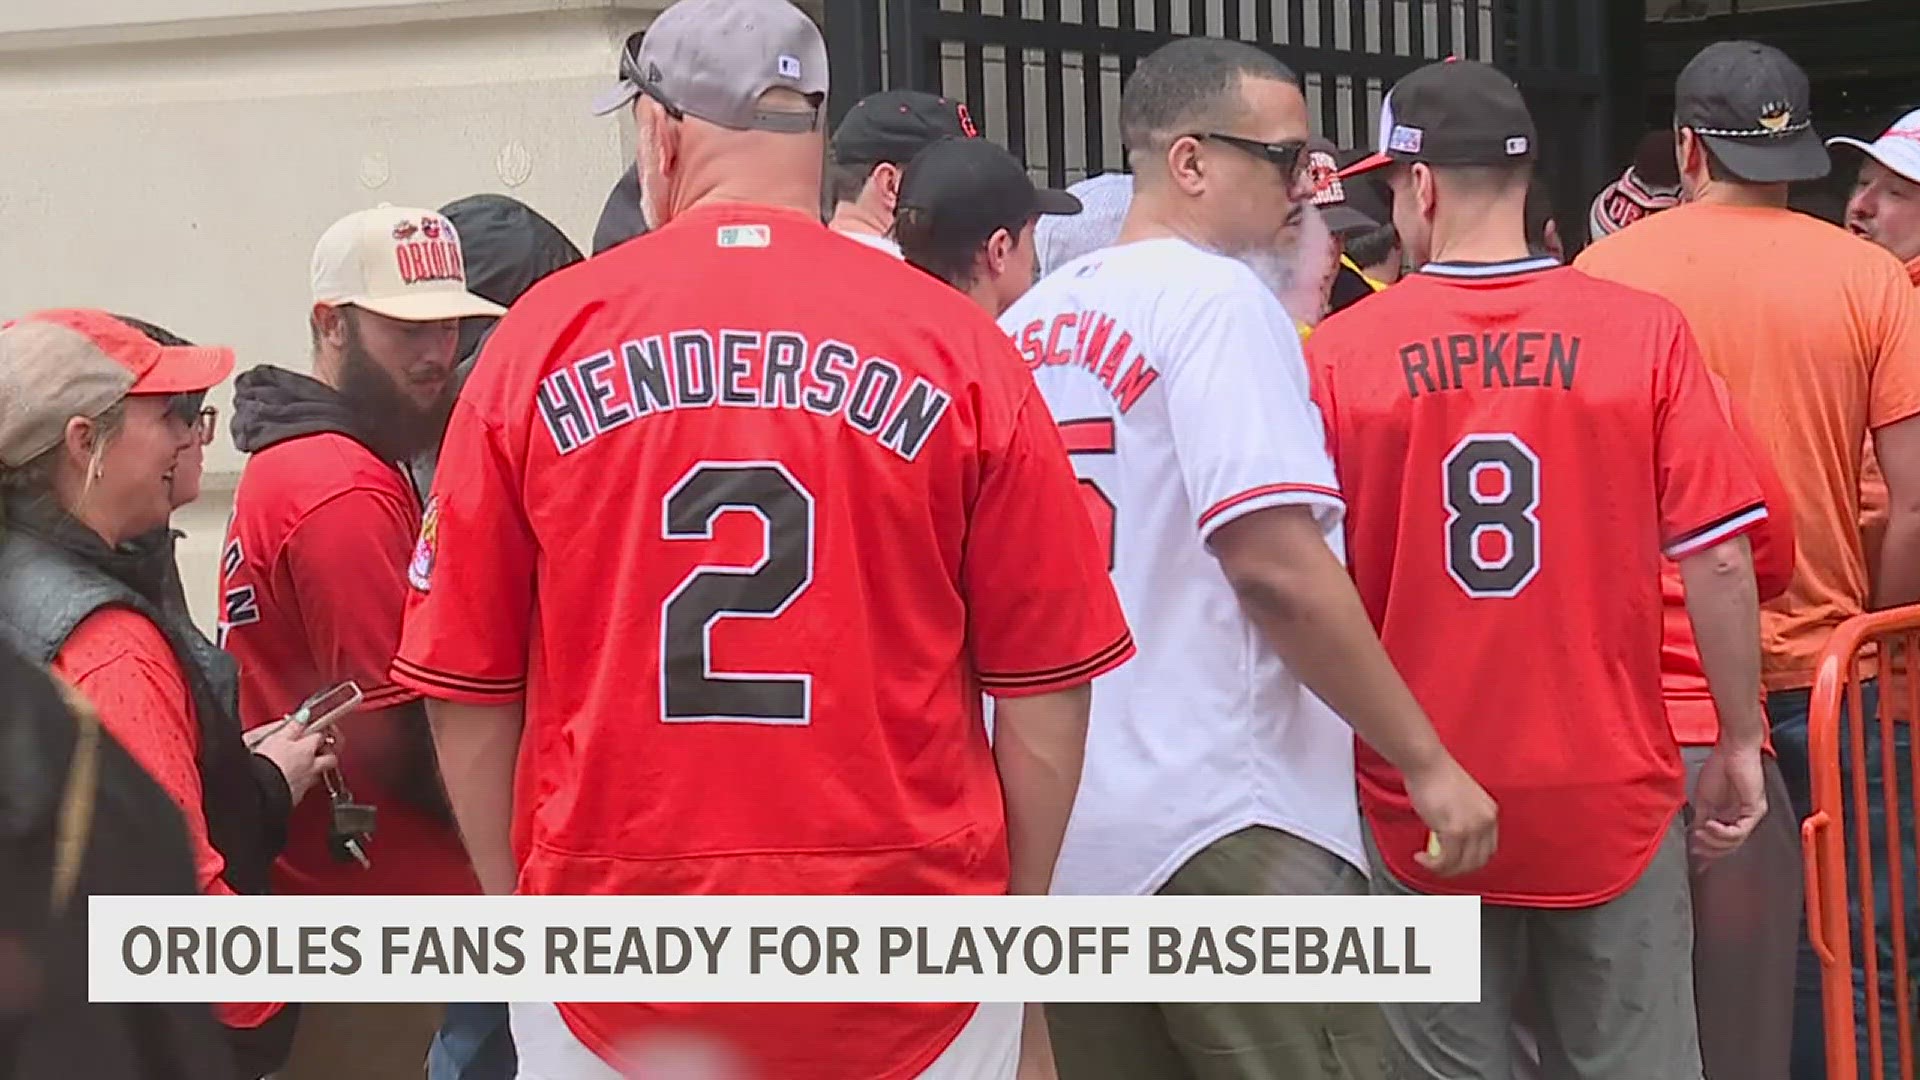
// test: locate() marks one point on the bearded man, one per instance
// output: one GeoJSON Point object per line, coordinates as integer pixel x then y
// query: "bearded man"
{"type": "Point", "coordinates": [314, 574]}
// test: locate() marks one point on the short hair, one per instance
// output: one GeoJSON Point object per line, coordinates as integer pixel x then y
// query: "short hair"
{"type": "Point", "coordinates": [1717, 170]}
{"type": "Point", "coordinates": [1487, 179]}
{"type": "Point", "coordinates": [1539, 213]}
{"type": "Point", "coordinates": [1189, 84]}
{"type": "Point", "coordinates": [952, 259]}
{"type": "Point", "coordinates": [1372, 247]}
{"type": "Point", "coordinates": [846, 180]}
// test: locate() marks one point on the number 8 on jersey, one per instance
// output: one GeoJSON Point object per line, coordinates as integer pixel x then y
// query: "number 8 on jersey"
{"type": "Point", "coordinates": [1492, 488]}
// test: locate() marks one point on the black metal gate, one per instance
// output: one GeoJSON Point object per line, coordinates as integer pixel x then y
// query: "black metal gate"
{"type": "Point", "coordinates": [1043, 77]}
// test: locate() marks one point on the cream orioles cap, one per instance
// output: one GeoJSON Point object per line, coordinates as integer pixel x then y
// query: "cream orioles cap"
{"type": "Point", "coordinates": [396, 261]}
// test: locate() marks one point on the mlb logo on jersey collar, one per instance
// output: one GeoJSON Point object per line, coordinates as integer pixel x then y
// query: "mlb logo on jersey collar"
{"type": "Point", "coordinates": [736, 236]}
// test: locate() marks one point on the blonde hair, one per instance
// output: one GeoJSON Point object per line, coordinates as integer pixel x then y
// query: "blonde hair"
{"type": "Point", "coordinates": [35, 479]}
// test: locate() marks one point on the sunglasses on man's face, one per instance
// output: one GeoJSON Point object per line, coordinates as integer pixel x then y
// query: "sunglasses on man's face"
{"type": "Point", "coordinates": [1290, 156]}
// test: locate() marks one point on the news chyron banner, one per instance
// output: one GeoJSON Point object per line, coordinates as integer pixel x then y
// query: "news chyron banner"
{"type": "Point", "coordinates": [784, 948]}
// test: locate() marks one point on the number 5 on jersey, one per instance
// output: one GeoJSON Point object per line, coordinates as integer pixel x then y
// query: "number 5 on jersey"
{"type": "Point", "coordinates": [1093, 436]}
{"type": "Point", "coordinates": [1491, 484]}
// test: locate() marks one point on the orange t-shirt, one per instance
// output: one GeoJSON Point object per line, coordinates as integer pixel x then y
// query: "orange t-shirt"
{"type": "Point", "coordinates": [1873, 486]}
{"type": "Point", "coordinates": [1817, 334]}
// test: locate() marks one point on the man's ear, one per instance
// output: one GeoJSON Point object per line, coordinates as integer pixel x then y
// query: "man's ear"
{"type": "Point", "coordinates": [1686, 143]}
{"type": "Point", "coordinates": [1425, 190]}
{"type": "Point", "coordinates": [1187, 165]}
{"type": "Point", "coordinates": [885, 182]}
{"type": "Point", "coordinates": [998, 251]}
{"type": "Point", "coordinates": [330, 324]}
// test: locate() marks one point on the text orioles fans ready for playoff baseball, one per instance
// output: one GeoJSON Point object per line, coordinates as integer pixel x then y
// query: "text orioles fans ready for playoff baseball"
{"type": "Point", "coordinates": [746, 541]}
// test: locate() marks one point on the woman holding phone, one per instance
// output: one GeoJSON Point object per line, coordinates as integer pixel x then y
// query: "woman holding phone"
{"type": "Point", "coordinates": [99, 415]}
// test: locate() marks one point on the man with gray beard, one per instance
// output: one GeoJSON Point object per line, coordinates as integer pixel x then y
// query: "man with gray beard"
{"type": "Point", "coordinates": [314, 577]}
{"type": "Point", "coordinates": [1217, 761]}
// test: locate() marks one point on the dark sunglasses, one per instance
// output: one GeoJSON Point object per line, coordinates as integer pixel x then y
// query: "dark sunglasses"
{"type": "Point", "coordinates": [1290, 156]}
{"type": "Point", "coordinates": [191, 411]}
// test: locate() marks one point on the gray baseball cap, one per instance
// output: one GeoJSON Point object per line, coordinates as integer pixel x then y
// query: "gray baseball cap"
{"type": "Point", "coordinates": [713, 59]}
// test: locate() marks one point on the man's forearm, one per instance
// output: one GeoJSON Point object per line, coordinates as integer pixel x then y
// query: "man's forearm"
{"type": "Point", "coordinates": [478, 745]}
{"type": "Point", "coordinates": [1315, 621]}
{"type": "Point", "coordinates": [1896, 579]}
{"type": "Point", "coordinates": [1724, 607]}
{"type": "Point", "coordinates": [1039, 743]}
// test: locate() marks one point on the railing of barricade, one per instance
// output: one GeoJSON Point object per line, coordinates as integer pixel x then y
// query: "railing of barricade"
{"type": "Point", "coordinates": [1838, 829]}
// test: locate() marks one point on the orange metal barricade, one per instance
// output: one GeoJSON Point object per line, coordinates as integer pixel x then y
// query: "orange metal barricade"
{"type": "Point", "coordinates": [1838, 829]}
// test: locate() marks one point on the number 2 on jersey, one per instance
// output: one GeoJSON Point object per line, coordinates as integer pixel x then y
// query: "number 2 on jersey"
{"type": "Point", "coordinates": [691, 691]}
{"type": "Point", "coordinates": [1492, 488]}
{"type": "Point", "coordinates": [1093, 436]}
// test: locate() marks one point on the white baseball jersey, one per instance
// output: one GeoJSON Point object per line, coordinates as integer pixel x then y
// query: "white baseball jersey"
{"type": "Point", "coordinates": [1179, 386]}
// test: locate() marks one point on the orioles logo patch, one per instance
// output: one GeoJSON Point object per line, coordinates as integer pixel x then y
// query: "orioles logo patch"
{"type": "Point", "coordinates": [420, 570]}
{"type": "Point", "coordinates": [1776, 116]}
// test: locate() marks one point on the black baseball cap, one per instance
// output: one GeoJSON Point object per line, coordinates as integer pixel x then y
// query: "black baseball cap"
{"type": "Point", "coordinates": [964, 190]}
{"type": "Point", "coordinates": [1330, 192]}
{"type": "Point", "coordinates": [1752, 105]}
{"type": "Point", "coordinates": [1368, 195]}
{"type": "Point", "coordinates": [894, 125]}
{"type": "Point", "coordinates": [1455, 112]}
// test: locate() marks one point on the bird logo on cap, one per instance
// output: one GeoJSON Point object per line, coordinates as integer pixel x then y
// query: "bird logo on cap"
{"type": "Point", "coordinates": [1776, 116]}
{"type": "Point", "coordinates": [405, 230]}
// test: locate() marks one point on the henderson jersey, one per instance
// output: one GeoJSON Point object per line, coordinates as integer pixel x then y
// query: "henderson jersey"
{"type": "Point", "coordinates": [1518, 443]}
{"type": "Point", "coordinates": [1177, 380]}
{"type": "Point", "coordinates": [750, 538]}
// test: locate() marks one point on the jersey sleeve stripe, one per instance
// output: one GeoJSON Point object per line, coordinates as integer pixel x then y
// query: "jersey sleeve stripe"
{"type": "Point", "coordinates": [1705, 537]}
{"type": "Point", "coordinates": [1065, 675]}
{"type": "Point", "coordinates": [436, 683]}
{"type": "Point", "coordinates": [1263, 492]}
{"type": "Point", "coordinates": [386, 697]}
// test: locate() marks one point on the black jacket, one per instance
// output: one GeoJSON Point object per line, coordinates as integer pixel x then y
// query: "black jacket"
{"type": "Point", "coordinates": [135, 845]}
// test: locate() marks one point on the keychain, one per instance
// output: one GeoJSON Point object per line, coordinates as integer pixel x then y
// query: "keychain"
{"type": "Point", "coordinates": [350, 825]}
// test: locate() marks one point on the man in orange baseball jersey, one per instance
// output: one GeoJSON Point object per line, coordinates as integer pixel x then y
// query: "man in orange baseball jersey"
{"type": "Point", "coordinates": [781, 506]}
{"type": "Point", "coordinates": [1518, 444]}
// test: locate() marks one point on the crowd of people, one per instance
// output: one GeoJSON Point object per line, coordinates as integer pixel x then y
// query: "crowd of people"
{"type": "Point", "coordinates": [1270, 518]}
